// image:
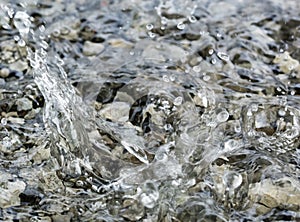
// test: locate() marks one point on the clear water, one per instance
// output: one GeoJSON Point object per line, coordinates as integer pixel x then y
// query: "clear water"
{"type": "Point", "coordinates": [150, 111]}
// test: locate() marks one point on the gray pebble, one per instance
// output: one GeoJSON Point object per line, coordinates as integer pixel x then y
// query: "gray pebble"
{"type": "Point", "coordinates": [91, 48]}
{"type": "Point", "coordinates": [24, 104]}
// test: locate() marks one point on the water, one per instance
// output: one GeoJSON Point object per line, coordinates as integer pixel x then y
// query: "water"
{"type": "Point", "coordinates": [152, 111]}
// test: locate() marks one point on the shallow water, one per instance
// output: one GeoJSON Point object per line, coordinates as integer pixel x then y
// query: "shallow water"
{"type": "Point", "coordinates": [149, 110]}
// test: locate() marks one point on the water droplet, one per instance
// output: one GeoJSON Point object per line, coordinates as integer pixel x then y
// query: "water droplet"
{"type": "Point", "coordinates": [56, 33]}
{"type": "Point", "coordinates": [230, 145]}
{"type": "Point", "coordinates": [22, 22]}
{"type": "Point", "coordinates": [192, 19]}
{"type": "Point", "coordinates": [223, 56]}
{"type": "Point", "coordinates": [42, 28]}
{"type": "Point", "coordinates": [172, 78]}
{"type": "Point", "coordinates": [79, 183]}
{"type": "Point", "coordinates": [206, 78]}
{"type": "Point", "coordinates": [237, 128]}
{"type": "Point", "coordinates": [164, 21]}
{"type": "Point", "coordinates": [16, 38]}
{"type": "Point", "coordinates": [178, 101]}
{"type": "Point", "coordinates": [151, 34]}
{"type": "Point", "coordinates": [219, 35]}
{"type": "Point", "coordinates": [181, 25]}
{"type": "Point", "coordinates": [232, 180]}
{"type": "Point", "coordinates": [149, 27]}
{"type": "Point", "coordinates": [197, 68]}
{"type": "Point", "coordinates": [3, 121]}
{"type": "Point", "coordinates": [168, 127]}
{"type": "Point", "coordinates": [222, 116]}
{"type": "Point", "coordinates": [131, 53]}
{"type": "Point", "coordinates": [21, 43]}
{"type": "Point", "coordinates": [213, 61]}
{"type": "Point", "coordinates": [166, 78]}
{"type": "Point", "coordinates": [211, 51]}
{"type": "Point", "coordinates": [281, 112]}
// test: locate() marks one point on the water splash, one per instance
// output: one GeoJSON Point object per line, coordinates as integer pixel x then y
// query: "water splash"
{"type": "Point", "coordinates": [191, 148]}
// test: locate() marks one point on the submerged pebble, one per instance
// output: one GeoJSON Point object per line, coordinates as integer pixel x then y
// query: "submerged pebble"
{"type": "Point", "coordinates": [92, 48]}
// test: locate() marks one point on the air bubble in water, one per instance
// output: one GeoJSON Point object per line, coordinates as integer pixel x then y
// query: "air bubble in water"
{"type": "Point", "coordinates": [197, 68]}
{"type": "Point", "coordinates": [178, 101]}
{"type": "Point", "coordinates": [237, 128]}
{"type": "Point", "coordinates": [16, 38]}
{"type": "Point", "coordinates": [42, 28]}
{"type": "Point", "coordinates": [21, 43]}
{"type": "Point", "coordinates": [166, 78]}
{"type": "Point", "coordinates": [56, 33]}
{"type": "Point", "coordinates": [232, 180]}
{"type": "Point", "coordinates": [151, 34]}
{"type": "Point", "coordinates": [223, 56]}
{"type": "Point", "coordinates": [222, 116]}
{"type": "Point", "coordinates": [164, 21]}
{"type": "Point", "coordinates": [230, 145]}
{"type": "Point", "coordinates": [168, 127]}
{"type": "Point", "coordinates": [211, 51]}
{"type": "Point", "coordinates": [281, 112]}
{"type": "Point", "coordinates": [206, 78]}
{"type": "Point", "coordinates": [192, 19]}
{"type": "Point", "coordinates": [3, 121]}
{"type": "Point", "coordinates": [181, 25]}
{"type": "Point", "coordinates": [149, 27]}
{"type": "Point", "coordinates": [22, 22]}
{"type": "Point", "coordinates": [172, 78]}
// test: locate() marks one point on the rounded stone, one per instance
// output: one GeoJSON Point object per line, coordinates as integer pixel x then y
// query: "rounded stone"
{"type": "Point", "coordinates": [92, 48]}
{"type": "Point", "coordinates": [4, 72]}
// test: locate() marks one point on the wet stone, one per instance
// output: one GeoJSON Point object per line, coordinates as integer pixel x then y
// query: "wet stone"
{"type": "Point", "coordinates": [23, 104]}
{"type": "Point", "coordinates": [91, 48]}
{"type": "Point", "coordinates": [10, 193]}
{"type": "Point", "coordinates": [269, 194]}
{"type": "Point", "coordinates": [117, 111]}
{"type": "Point", "coordinates": [286, 63]}
{"type": "Point", "coordinates": [4, 72]}
{"type": "Point", "coordinates": [19, 66]}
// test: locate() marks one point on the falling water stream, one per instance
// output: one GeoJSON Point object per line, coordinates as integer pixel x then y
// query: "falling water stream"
{"type": "Point", "coordinates": [150, 110]}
